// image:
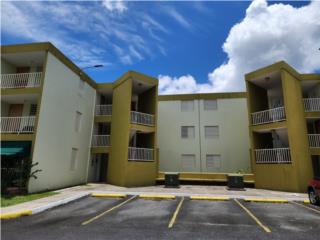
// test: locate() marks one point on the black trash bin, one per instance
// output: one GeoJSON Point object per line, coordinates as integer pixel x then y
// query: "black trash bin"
{"type": "Point", "coordinates": [171, 180]}
{"type": "Point", "coordinates": [235, 182]}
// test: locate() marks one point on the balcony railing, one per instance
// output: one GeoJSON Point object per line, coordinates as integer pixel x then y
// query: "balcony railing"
{"type": "Point", "coordinates": [268, 116]}
{"type": "Point", "coordinates": [104, 110]}
{"type": "Point", "coordinates": [314, 140]}
{"type": "Point", "coordinates": [142, 118]}
{"type": "Point", "coordinates": [21, 80]}
{"type": "Point", "coordinates": [140, 154]}
{"type": "Point", "coordinates": [17, 124]}
{"type": "Point", "coordinates": [273, 155]}
{"type": "Point", "coordinates": [100, 140]}
{"type": "Point", "coordinates": [311, 104]}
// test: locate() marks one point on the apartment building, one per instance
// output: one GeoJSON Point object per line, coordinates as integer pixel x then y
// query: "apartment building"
{"type": "Point", "coordinates": [56, 116]}
{"type": "Point", "coordinates": [284, 113]}
{"type": "Point", "coordinates": [203, 133]}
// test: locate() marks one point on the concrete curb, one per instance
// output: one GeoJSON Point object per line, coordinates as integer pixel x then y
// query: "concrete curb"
{"type": "Point", "coordinates": [156, 196]}
{"type": "Point", "coordinates": [209, 198]}
{"type": "Point", "coordinates": [59, 203]}
{"type": "Point", "coordinates": [266, 200]}
{"type": "Point", "coordinates": [15, 214]}
{"type": "Point", "coordinates": [109, 195]}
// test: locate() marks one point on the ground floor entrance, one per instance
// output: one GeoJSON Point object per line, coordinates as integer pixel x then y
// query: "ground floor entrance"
{"type": "Point", "coordinates": [98, 167]}
{"type": "Point", "coordinates": [316, 166]}
{"type": "Point", "coordinates": [16, 164]}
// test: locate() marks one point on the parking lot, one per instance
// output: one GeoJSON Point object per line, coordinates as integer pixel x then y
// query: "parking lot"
{"type": "Point", "coordinates": [180, 218]}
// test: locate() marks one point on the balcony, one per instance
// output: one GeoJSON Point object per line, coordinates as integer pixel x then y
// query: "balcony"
{"type": "Point", "coordinates": [100, 141]}
{"type": "Point", "coordinates": [140, 154]}
{"type": "Point", "coordinates": [21, 80]}
{"type": "Point", "coordinates": [314, 140]}
{"type": "Point", "coordinates": [311, 104]}
{"type": "Point", "coordinates": [17, 124]}
{"type": "Point", "coordinates": [268, 116]}
{"type": "Point", "coordinates": [142, 118]}
{"type": "Point", "coordinates": [103, 110]}
{"type": "Point", "coordinates": [273, 155]}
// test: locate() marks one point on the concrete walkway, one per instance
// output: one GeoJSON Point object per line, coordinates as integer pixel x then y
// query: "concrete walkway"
{"type": "Point", "coordinates": [70, 194]}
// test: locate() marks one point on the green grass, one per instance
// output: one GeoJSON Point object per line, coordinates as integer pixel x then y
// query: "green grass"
{"type": "Point", "coordinates": [13, 200]}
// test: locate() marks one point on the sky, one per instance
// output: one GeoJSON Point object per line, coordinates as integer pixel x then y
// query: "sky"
{"type": "Point", "coordinates": [190, 47]}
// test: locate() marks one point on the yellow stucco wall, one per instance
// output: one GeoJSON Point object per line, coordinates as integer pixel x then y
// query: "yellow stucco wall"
{"type": "Point", "coordinates": [121, 104]}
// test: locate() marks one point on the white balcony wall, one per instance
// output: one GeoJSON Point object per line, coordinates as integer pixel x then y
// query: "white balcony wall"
{"type": "Point", "coordinates": [56, 135]}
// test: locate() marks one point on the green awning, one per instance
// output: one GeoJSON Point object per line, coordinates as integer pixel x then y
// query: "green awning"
{"type": "Point", "coordinates": [15, 148]}
{"type": "Point", "coordinates": [11, 151]}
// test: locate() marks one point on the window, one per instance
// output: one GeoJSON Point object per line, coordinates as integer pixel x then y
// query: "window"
{"type": "Point", "coordinates": [188, 162]}
{"type": "Point", "coordinates": [73, 162]}
{"type": "Point", "coordinates": [187, 106]}
{"type": "Point", "coordinates": [211, 131]}
{"type": "Point", "coordinates": [78, 121]}
{"type": "Point", "coordinates": [187, 132]}
{"type": "Point", "coordinates": [33, 109]}
{"type": "Point", "coordinates": [213, 161]}
{"type": "Point", "coordinates": [209, 105]}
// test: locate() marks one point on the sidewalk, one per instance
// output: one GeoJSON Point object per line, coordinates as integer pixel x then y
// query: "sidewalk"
{"type": "Point", "coordinates": [70, 194]}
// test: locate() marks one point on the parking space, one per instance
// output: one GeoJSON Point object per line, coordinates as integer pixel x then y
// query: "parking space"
{"type": "Point", "coordinates": [132, 217]}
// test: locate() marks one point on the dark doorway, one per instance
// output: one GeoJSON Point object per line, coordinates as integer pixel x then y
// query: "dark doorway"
{"type": "Point", "coordinates": [316, 166]}
{"type": "Point", "coordinates": [103, 167]}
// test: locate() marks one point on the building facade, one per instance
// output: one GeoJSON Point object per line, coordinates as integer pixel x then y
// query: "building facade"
{"type": "Point", "coordinates": [203, 133]}
{"type": "Point", "coordinates": [284, 113]}
{"type": "Point", "coordinates": [55, 116]}
{"type": "Point", "coordinates": [69, 130]}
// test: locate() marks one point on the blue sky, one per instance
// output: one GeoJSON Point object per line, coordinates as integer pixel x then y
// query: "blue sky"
{"type": "Point", "coordinates": [189, 46]}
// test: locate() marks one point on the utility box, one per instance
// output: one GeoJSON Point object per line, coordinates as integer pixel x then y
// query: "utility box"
{"type": "Point", "coordinates": [235, 182]}
{"type": "Point", "coordinates": [171, 179]}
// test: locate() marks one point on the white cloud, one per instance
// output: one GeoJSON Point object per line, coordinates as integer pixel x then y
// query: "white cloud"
{"type": "Point", "coordinates": [115, 5]}
{"type": "Point", "coordinates": [178, 17]}
{"type": "Point", "coordinates": [266, 35]}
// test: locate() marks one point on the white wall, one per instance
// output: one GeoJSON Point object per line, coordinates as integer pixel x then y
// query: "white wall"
{"type": "Point", "coordinates": [232, 144]}
{"type": "Point", "coordinates": [56, 135]}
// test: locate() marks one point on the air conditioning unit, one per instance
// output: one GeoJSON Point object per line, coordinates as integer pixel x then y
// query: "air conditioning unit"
{"type": "Point", "coordinates": [235, 182]}
{"type": "Point", "coordinates": [171, 180]}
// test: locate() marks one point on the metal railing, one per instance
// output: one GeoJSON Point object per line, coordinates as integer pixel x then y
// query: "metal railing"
{"type": "Point", "coordinates": [140, 154]}
{"type": "Point", "coordinates": [17, 124]}
{"type": "Point", "coordinates": [273, 155]}
{"type": "Point", "coordinates": [268, 116]}
{"type": "Point", "coordinates": [104, 110]}
{"type": "Point", "coordinates": [314, 140]}
{"type": "Point", "coordinates": [100, 140]}
{"type": "Point", "coordinates": [142, 118]}
{"type": "Point", "coordinates": [21, 80]}
{"type": "Point", "coordinates": [311, 104]}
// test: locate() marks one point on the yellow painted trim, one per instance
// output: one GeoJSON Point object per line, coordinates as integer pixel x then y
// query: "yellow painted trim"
{"type": "Point", "coordinates": [102, 86]}
{"type": "Point", "coordinates": [109, 195]}
{"type": "Point", "coordinates": [17, 137]}
{"type": "Point", "coordinates": [269, 126]}
{"type": "Point", "coordinates": [266, 200]}
{"type": "Point", "coordinates": [143, 128]}
{"type": "Point", "coordinates": [225, 95]}
{"type": "Point", "coordinates": [135, 75]}
{"type": "Point", "coordinates": [315, 151]}
{"type": "Point", "coordinates": [15, 214]}
{"type": "Point", "coordinates": [102, 118]}
{"type": "Point", "coordinates": [308, 77]}
{"type": "Point", "coordinates": [265, 228]}
{"type": "Point", "coordinates": [107, 211]}
{"type": "Point", "coordinates": [96, 150]}
{"type": "Point", "coordinates": [209, 198]}
{"type": "Point", "coordinates": [175, 214]}
{"type": "Point", "coordinates": [312, 114]}
{"type": "Point", "coordinates": [155, 196]}
{"type": "Point", "coordinates": [17, 91]}
{"type": "Point", "coordinates": [209, 177]}
{"type": "Point", "coordinates": [47, 46]}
